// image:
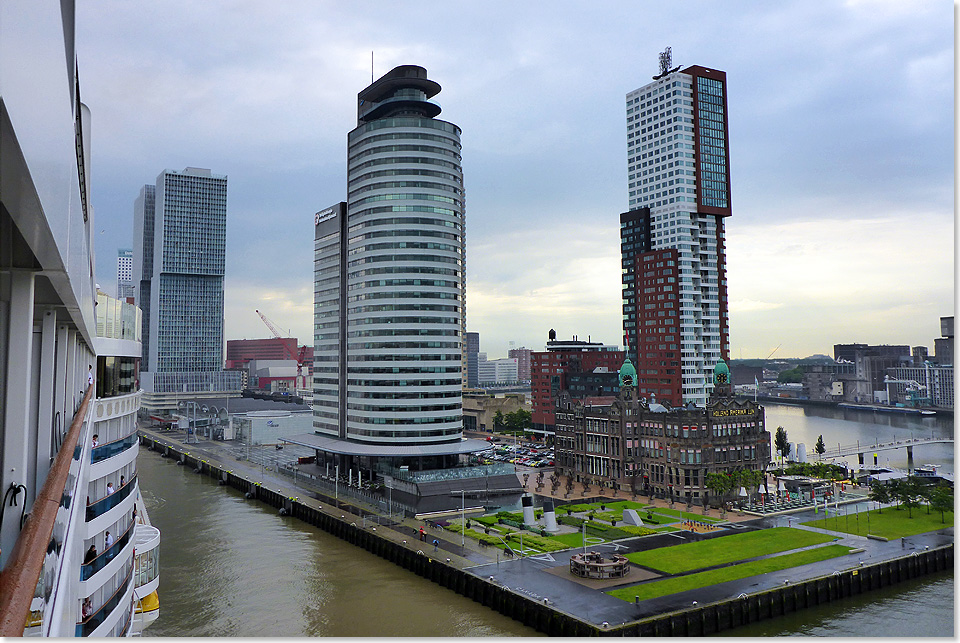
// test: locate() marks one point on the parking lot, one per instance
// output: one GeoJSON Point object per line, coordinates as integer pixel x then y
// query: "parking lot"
{"type": "Point", "coordinates": [521, 454]}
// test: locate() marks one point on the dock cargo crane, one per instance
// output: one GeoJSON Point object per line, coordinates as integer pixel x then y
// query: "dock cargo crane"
{"type": "Point", "coordinates": [300, 357]}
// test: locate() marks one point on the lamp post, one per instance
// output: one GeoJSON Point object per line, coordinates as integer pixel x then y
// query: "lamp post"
{"type": "Point", "coordinates": [336, 486]}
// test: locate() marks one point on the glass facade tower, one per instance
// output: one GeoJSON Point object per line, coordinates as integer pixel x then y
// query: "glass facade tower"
{"type": "Point", "coordinates": [389, 274]}
{"type": "Point", "coordinates": [182, 274]}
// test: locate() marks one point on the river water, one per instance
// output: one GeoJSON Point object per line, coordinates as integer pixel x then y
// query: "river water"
{"type": "Point", "coordinates": [233, 567]}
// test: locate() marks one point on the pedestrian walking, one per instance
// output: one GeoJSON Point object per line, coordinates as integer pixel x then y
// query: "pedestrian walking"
{"type": "Point", "coordinates": [436, 544]}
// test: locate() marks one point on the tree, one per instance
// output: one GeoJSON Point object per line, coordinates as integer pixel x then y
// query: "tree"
{"type": "Point", "coordinates": [498, 419]}
{"type": "Point", "coordinates": [719, 484]}
{"type": "Point", "coordinates": [791, 376]}
{"type": "Point", "coordinates": [941, 499]}
{"type": "Point", "coordinates": [821, 447]}
{"type": "Point", "coordinates": [879, 493]}
{"type": "Point", "coordinates": [519, 420]}
{"type": "Point", "coordinates": [781, 443]}
{"type": "Point", "coordinates": [908, 493]}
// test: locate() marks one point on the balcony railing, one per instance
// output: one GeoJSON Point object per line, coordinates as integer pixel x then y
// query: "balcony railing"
{"type": "Point", "coordinates": [98, 563]}
{"type": "Point", "coordinates": [111, 449]}
{"type": "Point", "coordinates": [92, 622]}
{"type": "Point", "coordinates": [107, 503]}
{"type": "Point", "coordinates": [18, 581]}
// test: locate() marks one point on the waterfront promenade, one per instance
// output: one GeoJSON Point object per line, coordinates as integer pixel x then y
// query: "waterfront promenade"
{"type": "Point", "coordinates": [544, 578]}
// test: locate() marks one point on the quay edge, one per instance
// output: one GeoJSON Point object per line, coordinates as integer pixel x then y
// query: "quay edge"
{"type": "Point", "coordinates": [698, 620]}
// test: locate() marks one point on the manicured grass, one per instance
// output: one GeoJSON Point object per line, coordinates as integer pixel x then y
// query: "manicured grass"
{"type": "Point", "coordinates": [734, 572]}
{"type": "Point", "coordinates": [726, 549]}
{"type": "Point", "coordinates": [891, 523]}
{"type": "Point", "coordinates": [572, 540]}
{"type": "Point", "coordinates": [683, 515]}
{"type": "Point", "coordinates": [620, 505]}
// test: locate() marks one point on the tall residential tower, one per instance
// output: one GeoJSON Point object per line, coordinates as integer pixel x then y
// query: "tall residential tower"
{"type": "Point", "coordinates": [672, 240]}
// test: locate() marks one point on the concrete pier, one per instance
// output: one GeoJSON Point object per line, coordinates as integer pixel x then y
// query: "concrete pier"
{"type": "Point", "coordinates": [529, 592]}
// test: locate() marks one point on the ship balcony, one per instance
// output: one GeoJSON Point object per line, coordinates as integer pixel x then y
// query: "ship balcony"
{"type": "Point", "coordinates": [106, 451]}
{"type": "Point", "coordinates": [114, 613]}
{"type": "Point", "coordinates": [105, 505]}
{"type": "Point", "coordinates": [89, 570]}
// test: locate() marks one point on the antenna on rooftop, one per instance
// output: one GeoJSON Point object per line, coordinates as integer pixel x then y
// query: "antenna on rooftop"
{"type": "Point", "coordinates": [666, 60]}
{"type": "Point", "coordinates": [371, 66]}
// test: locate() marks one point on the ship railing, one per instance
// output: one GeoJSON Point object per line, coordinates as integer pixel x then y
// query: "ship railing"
{"type": "Point", "coordinates": [98, 563]}
{"type": "Point", "coordinates": [20, 576]}
{"type": "Point", "coordinates": [105, 504]}
{"type": "Point", "coordinates": [88, 625]}
{"type": "Point", "coordinates": [111, 449]}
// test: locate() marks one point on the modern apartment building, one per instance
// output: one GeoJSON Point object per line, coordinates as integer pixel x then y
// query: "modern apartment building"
{"type": "Point", "coordinates": [675, 317]}
{"type": "Point", "coordinates": [124, 273]}
{"type": "Point", "coordinates": [388, 275]}
{"type": "Point", "coordinates": [183, 346]}
{"type": "Point", "coordinates": [74, 553]}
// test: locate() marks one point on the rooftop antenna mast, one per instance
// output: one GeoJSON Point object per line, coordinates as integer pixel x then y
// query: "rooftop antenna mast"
{"type": "Point", "coordinates": [666, 60]}
{"type": "Point", "coordinates": [371, 66]}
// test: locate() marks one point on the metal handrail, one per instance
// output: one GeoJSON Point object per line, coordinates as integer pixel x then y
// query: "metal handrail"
{"type": "Point", "coordinates": [18, 580]}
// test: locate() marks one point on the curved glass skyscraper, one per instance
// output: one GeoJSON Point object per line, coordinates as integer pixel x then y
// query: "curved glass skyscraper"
{"type": "Point", "coordinates": [389, 286]}
{"type": "Point", "coordinates": [404, 265]}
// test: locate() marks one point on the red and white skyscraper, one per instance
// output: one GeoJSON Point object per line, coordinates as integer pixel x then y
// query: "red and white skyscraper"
{"type": "Point", "coordinates": [672, 239]}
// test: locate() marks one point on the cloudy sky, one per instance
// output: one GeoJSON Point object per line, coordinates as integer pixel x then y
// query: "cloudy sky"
{"type": "Point", "coordinates": [841, 139]}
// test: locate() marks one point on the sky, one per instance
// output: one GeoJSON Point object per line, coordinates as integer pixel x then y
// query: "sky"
{"type": "Point", "coordinates": [841, 125]}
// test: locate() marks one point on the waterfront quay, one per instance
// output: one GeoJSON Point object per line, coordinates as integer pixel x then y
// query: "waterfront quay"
{"type": "Point", "coordinates": [539, 590]}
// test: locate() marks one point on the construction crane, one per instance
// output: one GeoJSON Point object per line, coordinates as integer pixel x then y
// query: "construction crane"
{"type": "Point", "coordinates": [771, 352]}
{"type": "Point", "coordinates": [300, 358]}
{"type": "Point", "coordinates": [914, 390]}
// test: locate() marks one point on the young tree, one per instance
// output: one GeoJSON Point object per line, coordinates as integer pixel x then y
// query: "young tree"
{"type": "Point", "coordinates": [498, 419]}
{"type": "Point", "coordinates": [910, 490]}
{"type": "Point", "coordinates": [879, 493]}
{"type": "Point", "coordinates": [719, 484]}
{"type": "Point", "coordinates": [821, 447]}
{"type": "Point", "coordinates": [780, 442]}
{"type": "Point", "coordinates": [941, 499]}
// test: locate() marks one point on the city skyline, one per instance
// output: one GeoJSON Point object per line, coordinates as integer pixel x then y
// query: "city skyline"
{"type": "Point", "coordinates": [840, 143]}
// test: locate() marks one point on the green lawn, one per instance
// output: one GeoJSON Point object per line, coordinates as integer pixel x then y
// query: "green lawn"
{"type": "Point", "coordinates": [683, 515]}
{"type": "Point", "coordinates": [574, 540]}
{"type": "Point", "coordinates": [726, 549]}
{"type": "Point", "coordinates": [891, 523]}
{"type": "Point", "coordinates": [676, 584]}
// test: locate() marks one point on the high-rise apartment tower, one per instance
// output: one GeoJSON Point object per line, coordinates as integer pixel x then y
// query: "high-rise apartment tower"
{"type": "Point", "coordinates": [672, 240]}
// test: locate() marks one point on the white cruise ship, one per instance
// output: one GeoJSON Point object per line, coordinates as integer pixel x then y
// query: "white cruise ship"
{"type": "Point", "coordinates": [77, 555]}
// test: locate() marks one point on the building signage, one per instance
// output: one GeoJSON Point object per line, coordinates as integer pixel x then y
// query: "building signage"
{"type": "Point", "coordinates": [322, 216]}
{"type": "Point", "coordinates": [723, 413]}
